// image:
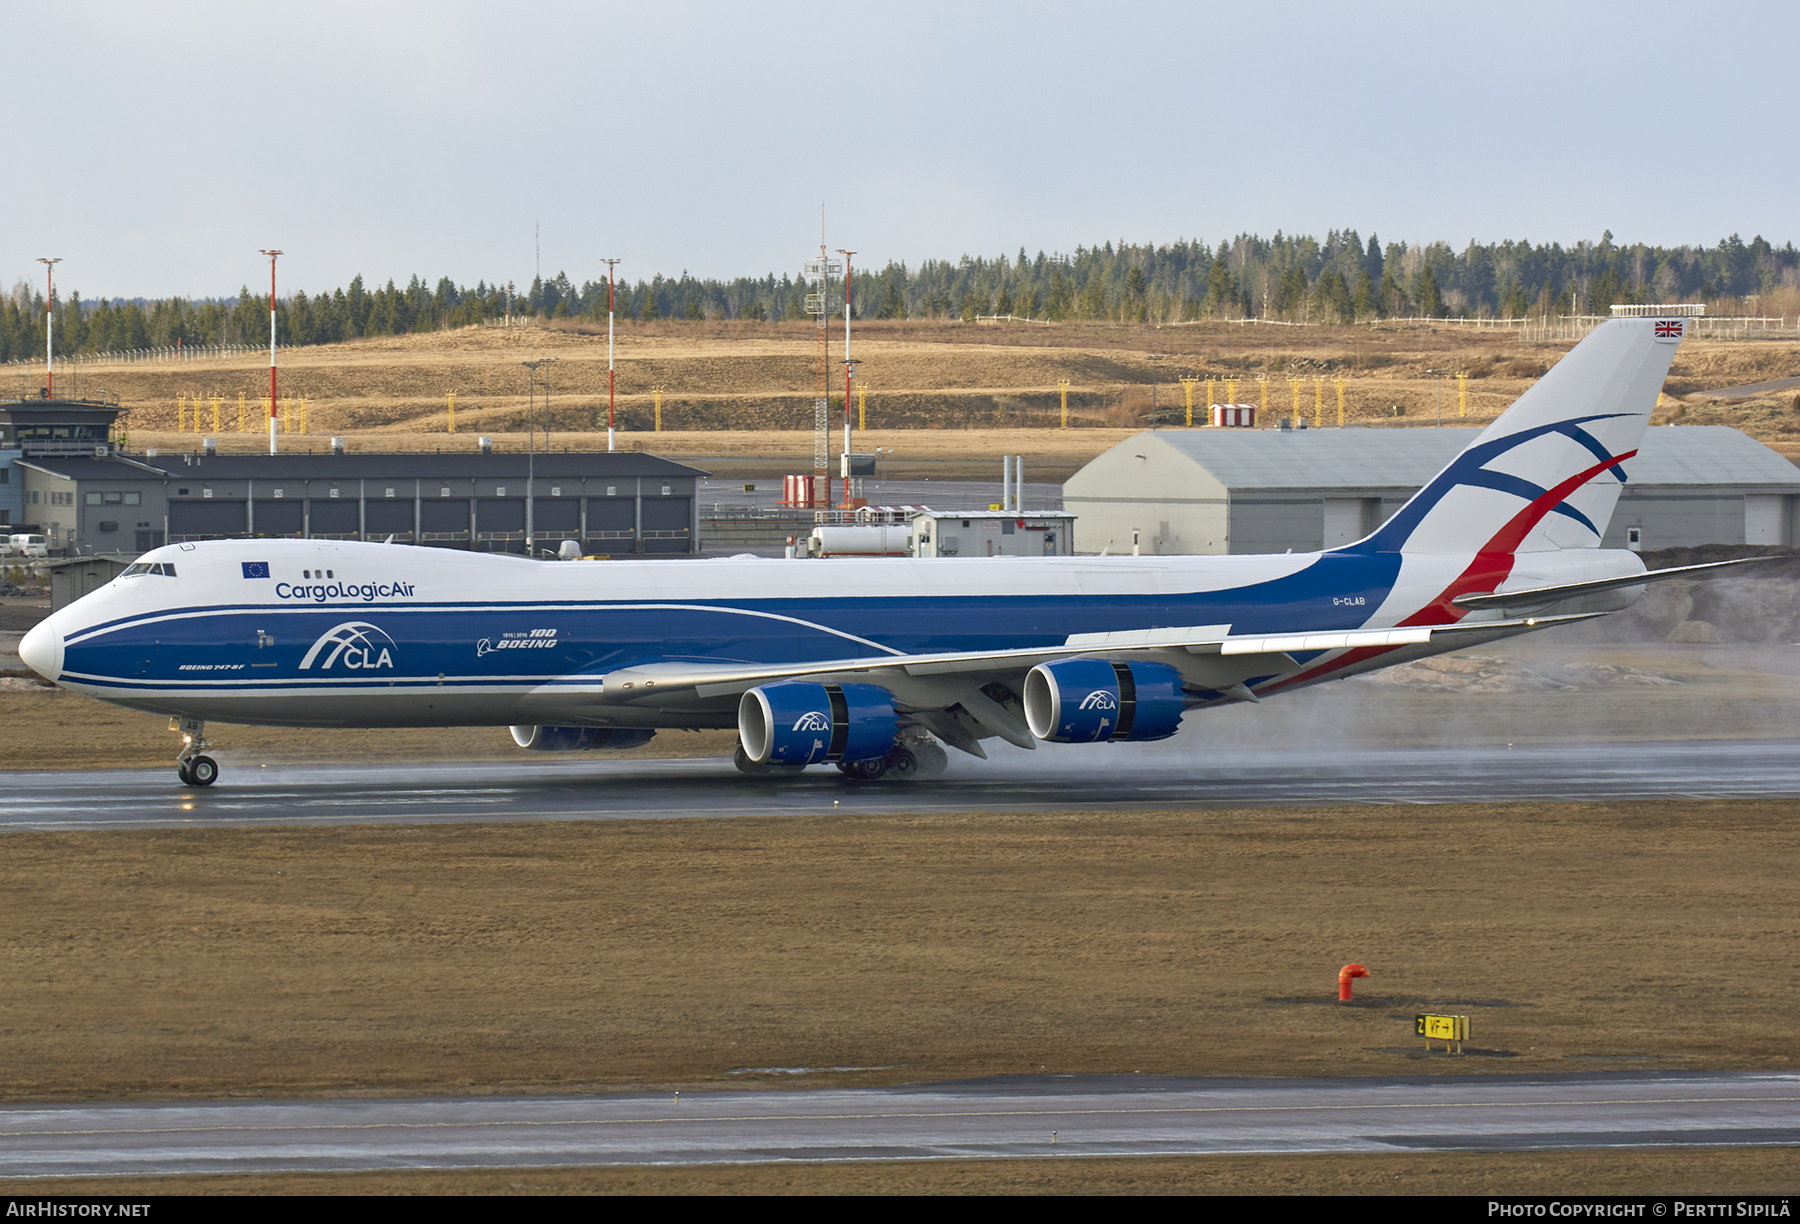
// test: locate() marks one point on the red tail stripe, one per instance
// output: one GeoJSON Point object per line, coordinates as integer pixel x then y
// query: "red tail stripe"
{"type": "Point", "coordinates": [1491, 566]}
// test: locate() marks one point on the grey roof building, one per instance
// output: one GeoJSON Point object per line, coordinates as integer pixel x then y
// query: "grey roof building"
{"type": "Point", "coordinates": [1269, 490]}
{"type": "Point", "coordinates": [63, 474]}
{"type": "Point", "coordinates": [623, 502]}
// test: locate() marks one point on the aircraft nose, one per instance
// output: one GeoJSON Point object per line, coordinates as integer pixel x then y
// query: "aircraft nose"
{"type": "Point", "coordinates": [42, 650]}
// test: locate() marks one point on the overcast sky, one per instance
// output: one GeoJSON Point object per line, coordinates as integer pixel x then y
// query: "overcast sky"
{"type": "Point", "coordinates": [157, 147]}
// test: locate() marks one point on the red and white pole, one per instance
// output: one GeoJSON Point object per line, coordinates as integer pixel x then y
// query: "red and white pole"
{"type": "Point", "coordinates": [272, 412]}
{"type": "Point", "coordinates": [49, 324]}
{"type": "Point", "coordinates": [849, 373]}
{"type": "Point", "coordinates": [609, 352]}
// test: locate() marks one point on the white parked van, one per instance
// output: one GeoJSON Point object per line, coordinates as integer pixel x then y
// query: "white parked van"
{"type": "Point", "coordinates": [28, 545]}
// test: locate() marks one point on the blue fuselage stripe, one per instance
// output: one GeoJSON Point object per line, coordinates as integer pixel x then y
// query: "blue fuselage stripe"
{"type": "Point", "coordinates": [227, 648]}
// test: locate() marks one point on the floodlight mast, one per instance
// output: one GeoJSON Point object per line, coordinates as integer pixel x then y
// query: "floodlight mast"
{"type": "Point", "coordinates": [610, 263]}
{"type": "Point", "coordinates": [49, 325]}
{"type": "Point", "coordinates": [272, 414]}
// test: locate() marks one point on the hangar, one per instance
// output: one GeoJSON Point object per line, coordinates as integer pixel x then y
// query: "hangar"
{"type": "Point", "coordinates": [74, 484]}
{"type": "Point", "coordinates": [612, 503]}
{"type": "Point", "coordinates": [1271, 490]}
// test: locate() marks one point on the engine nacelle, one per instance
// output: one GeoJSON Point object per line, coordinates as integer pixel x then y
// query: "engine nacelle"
{"type": "Point", "coordinates": [1084, 701]}
{"type": "Point", "coordinates": [799, 723]}
{"type": "Point", "coordinates": [580, 739]}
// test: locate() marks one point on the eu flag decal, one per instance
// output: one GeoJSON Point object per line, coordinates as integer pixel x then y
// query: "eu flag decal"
{"type": "Point", "coordinates": [256, 569]}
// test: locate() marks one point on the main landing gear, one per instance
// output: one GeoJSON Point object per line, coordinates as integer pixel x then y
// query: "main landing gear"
{"type": "Point", "coordinates": [193, 766]}
{"type": "Point", "coordinates": [914, 759]}
{"type": "Point", "coordinates": [906, 762]}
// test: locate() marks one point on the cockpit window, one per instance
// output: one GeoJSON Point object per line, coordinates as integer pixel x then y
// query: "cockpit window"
{"type": "Point", "coordinates": [166, 569]}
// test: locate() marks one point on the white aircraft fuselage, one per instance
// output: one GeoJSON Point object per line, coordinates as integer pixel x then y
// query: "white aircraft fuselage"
{"type": "Point", "coordinates": [866, 663]}
{"type": "Point", "coordinates": [389, 635]}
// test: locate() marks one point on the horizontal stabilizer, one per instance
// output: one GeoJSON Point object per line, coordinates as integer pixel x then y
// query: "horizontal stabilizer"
{"type": "Point", "coordinates": [1539, 597]}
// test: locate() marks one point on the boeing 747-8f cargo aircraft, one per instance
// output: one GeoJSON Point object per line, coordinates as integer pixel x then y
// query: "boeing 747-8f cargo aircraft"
{"type": "Point", "coordinates": [871, 664]}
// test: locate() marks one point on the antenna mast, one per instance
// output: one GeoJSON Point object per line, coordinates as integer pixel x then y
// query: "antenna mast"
{"type": "Point", "coordinates": [818, 305]}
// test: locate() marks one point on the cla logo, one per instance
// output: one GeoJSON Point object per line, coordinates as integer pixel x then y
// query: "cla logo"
{"type": "Point", "coordinates": [813, 721]}
{"type": "Point", "coordinates": [1099, 699]}
{"type": "Point", "coordinates": [361, 646]}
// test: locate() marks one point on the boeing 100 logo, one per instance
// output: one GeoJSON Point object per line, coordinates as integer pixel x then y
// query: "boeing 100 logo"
{"type": "Point", "coordinates": [531, 639]}
{"type": "Point", "coordinates": [358, 645]}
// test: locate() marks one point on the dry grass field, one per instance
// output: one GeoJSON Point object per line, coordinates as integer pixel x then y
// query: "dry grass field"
{"type": "Point", "coordinates": [746, 389]}
{"type": "Point", "coordinates": [192, 963]}
{"type": "Point", "coordinates": [571, 957]}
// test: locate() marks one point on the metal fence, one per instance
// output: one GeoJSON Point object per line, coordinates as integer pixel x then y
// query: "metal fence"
{"type": "Point", "coordinates": [185, 352]}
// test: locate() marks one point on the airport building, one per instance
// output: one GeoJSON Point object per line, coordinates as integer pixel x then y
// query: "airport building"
{"type": "Point", "coordinates": [992, 533]}
{"type": "Point", "coordinates": [86, 496]}
{"type": "Point", "coordinates": [1179, 491]}
{"type": "Point", "coordinates": [41, 427]}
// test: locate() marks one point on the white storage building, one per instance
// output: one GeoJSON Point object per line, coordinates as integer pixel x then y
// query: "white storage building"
{"type": "Point", "coordinates": [1271, 490]}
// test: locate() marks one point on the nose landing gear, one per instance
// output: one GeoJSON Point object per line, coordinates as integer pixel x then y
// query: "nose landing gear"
{"type": "Point", "coordinates": [193, 766]}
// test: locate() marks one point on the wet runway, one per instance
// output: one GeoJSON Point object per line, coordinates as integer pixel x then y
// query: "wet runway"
{"type": "Point", "coordinates": [1057, 777]}
{"type": "Point", "coordinates": [1008, 1117]}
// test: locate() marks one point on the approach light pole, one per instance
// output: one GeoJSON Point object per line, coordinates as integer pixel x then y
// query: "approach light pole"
{"type": "Point", "coordinates": [1440, 377]}
{"type": "Point", "coordinates": [272, 415]}
{"type": "Point", "coordinates": [49, 325]}
{"type": "Point", "coordinates": [610, 264]}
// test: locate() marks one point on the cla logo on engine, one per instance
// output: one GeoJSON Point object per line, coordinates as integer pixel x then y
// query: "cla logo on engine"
{"type": "Point", "coordinates": [360, 645]}
{"type": "Point", "coordinates": [1099, 699]}
{"type": "Point", "coordinates": [813, 721]}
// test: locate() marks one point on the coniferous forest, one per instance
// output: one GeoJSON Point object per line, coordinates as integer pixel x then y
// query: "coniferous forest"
{"type": "Point", "coordinates": [1342, 279]}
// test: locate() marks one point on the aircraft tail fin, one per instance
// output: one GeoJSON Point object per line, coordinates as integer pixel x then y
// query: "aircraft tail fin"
{"type": "Point", "coordinates": [1548, 473]}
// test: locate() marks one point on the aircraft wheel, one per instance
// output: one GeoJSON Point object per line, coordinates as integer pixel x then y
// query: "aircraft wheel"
{"type": "Point", "coordinates": [933, 760]}
{"type": "Point", "coordinates": [202, 771]}
{"type": "Point", "coordinates": [863, 771]}
{"type": "Point", "coordinates": [902, 764]}
{"type": "Point", "coordinates": [181, 771]}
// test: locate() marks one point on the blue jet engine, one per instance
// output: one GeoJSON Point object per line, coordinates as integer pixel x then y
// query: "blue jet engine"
{"type": "Point", "coordinates": [798, 723]}
{"type": "Point", "coordinates": [580, 739]}
{"type": "Point", "coordinates": [1084, 701]}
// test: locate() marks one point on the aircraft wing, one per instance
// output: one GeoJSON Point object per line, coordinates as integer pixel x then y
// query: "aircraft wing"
{"type": "Point", "coordinates": [965, 697]}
